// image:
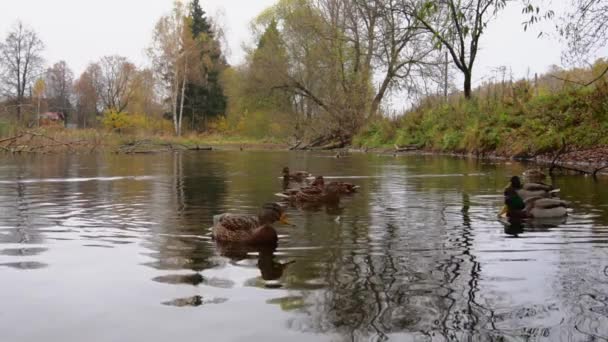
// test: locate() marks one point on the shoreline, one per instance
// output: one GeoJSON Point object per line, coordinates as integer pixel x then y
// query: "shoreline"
{"type": "Point", "coordinates": [590, 161]}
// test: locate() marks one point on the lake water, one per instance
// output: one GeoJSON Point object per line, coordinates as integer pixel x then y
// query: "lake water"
{"type": "Point", "coordinates": [117, 248]}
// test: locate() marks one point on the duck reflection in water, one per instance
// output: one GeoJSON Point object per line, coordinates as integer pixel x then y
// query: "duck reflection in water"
{"type": "Point", "coordinates": [514, 227]}
{"type": "Point", "coordinates": [269, 267]}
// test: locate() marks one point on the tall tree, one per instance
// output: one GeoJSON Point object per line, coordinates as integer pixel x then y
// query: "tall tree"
{"type": "Point", "coordinates": [456, 25]}
{"type": "Point", "coordinates": [88, 100]}
{"type": "Point", "coordinates": [336, 50]}
{"type": "Point", "coordinates": [114, 84]}
{"type": "Point", "coordinates": [20, 63]}
{"type": "Point", "coordinates": [173, 54]}
{"type": "Point", "coordinates": [59, 82]}
{"type": "Point", "coordinates": [205, 95]}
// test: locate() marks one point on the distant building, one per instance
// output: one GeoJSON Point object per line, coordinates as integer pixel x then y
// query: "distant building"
{"type": "Point", "coordinates": [52, 116]}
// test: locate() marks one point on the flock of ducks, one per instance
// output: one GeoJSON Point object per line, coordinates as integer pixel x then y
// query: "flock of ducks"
{"type": "Point", "coordinates": [533, 199]}
{"type": "Point", "coordinates": [258, 229]}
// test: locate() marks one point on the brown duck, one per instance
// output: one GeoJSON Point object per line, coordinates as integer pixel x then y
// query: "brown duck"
{"type": "Point", "coordinates": [329, 194]}
{"type": "Point", "coordinates": [297, 176]}
{"type": "Point", "coordinates": [343, 187]}
{"type": "Point", "coordinates": [249, 229]}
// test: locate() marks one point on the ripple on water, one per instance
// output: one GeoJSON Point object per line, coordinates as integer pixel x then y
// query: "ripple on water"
{"type": "Point", "coordinates": [16, 252]}
{"type": "Point", "coordinates": [180, 279]}
{"type": "Point", "coordinates": [25, 265]}
{"type": "Point", "coordinates": [194, 301]}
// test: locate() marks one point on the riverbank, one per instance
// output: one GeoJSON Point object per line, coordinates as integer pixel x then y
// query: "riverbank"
{"type": "Point", "coordinates": [57, 140]}
{"type": "Point", "coordinates": [49, 141]}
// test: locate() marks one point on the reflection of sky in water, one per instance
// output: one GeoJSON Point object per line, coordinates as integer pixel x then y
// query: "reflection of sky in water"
{"type": "Point", "coordinates": [123, 242]}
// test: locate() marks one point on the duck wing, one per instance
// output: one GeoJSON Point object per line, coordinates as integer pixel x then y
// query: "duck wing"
{"type": "Point", "coordinates": [550, 203]}
{"type": "Point", "coordinates": [346, 188]}
{"type": "Point", "coordinates": [236, 222]}
{"type": "Point", "coordinates": [537, 187]}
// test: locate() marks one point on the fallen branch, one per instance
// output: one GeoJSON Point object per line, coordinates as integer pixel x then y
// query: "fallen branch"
{"type": "Point", "coordinates": [558, 155]}
{"type": "Point", "coordinates": [598, 170]}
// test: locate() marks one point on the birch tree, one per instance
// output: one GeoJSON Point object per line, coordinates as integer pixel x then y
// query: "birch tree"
{"type": "Point", "coordinates": [172, 53]}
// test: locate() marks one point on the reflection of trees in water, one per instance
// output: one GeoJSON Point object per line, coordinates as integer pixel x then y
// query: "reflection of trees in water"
{"type": "Point", "coordinates": [194, 194]}
{"type": "Point", "coordinates": [407, 271]}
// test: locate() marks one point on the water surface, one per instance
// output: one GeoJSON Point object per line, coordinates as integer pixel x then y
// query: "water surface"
{"type": "Point", "coordinates": [117, 248]}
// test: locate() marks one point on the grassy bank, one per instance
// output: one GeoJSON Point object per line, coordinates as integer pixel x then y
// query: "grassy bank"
{"type": "Point", "coordinates": [52, 140]}
{"type": "Point", "coordinates": [509, 120]}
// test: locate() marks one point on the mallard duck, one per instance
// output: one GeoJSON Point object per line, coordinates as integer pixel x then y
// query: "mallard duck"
{"type": "Point", "coordinates": [534, 176]}
{"type": "Point", "coordinates": [539, 207]}
{"type": "Point", "coordinates": [517, 205]}
{"type": "Point", "coordinates": [344, 188]}
{"type": "Point", "coordinates": [329, 194]}
{"type": "Point", "coordinates": [297, 176]}
{"type": "Point", "coordinates": [249, 229]}
{"type": "Point", "coordinates": [530, 190]}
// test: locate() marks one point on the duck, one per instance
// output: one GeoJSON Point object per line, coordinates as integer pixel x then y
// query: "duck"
{"type": "Point", "coordinates": [542, 208]}
{"type": "Point", "coordinates": [532, 201]}
{"type": "Point", "coordinates": [329, 194]}
{"type": "Point", "coordinates": [344, 188]}
{"type": "Point", "coordinates": [530, 190]}
{"type": "Point", "coordinates": [249, 229]}
{"type": "Point", "coordinates": [297, 176]}
{"type": "Point", "coordinates": [534, 175]}
{"type": "Point", "coordinates": [538, 208]}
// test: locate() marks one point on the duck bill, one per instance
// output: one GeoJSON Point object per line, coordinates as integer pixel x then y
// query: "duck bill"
{"type": "Point", "coordinates": [503, 212]}
{"type": "Point", "coordinates": [283, 220]}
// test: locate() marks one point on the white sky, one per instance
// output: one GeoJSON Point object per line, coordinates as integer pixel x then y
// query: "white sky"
{"type": "Point", "coordinates": [81, 31]}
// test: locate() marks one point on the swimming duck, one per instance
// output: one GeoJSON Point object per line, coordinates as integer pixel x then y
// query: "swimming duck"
{"type": "Point", "coordinates": [530, 190]}
{"type": "Point", "coordinates": [329, 194]}
{"type": "Point", "coordinates": [531, 202]}
{"type": "Point", "coordinates": [344, 188]}
{"type": "Point", "coordinates": [534, 176]}
{"type": "Point", "coordinates": [249, 229]}
{"type": "Point", "coordinates": [298, 176]}
{"type": "Point", "coordinates": [538, 207]}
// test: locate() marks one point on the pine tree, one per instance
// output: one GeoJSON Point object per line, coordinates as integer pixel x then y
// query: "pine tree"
{"type": "Point", "coordinates": [199, 21]}
{"type": "Point", "coordinates": [205, 99]}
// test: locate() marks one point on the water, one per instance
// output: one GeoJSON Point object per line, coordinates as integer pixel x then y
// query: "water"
{"type": "Point", "coordinates": [117, 248]}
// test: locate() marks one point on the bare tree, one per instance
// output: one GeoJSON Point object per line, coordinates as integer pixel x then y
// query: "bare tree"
{"type": "Point", "coordinates": [114, 84]}
{"type": "Point", "coordinates": [456, 25]}
{"type": "Point", "coordinates": [59, 80]}
{"type": "Point", "coordinates": [88, 102]}
{"type": "Point", "coordinates": [20, 63]}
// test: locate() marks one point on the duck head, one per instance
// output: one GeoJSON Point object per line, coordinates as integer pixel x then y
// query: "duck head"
{"type": "Point", "coordinates": [516, 182]}
{"type": "Point", "coordinates": [319, 182]}
{"type": "Point", "coordinates": [271, 213]}
{"type": "Point", "coordinates": [286, 171]}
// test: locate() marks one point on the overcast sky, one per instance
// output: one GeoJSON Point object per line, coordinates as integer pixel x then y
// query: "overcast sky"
{"type": "Point", "coordinates": [80, 31]}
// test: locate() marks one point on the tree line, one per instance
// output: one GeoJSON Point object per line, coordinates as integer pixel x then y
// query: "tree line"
{"type": "Point", "coordinates": [183, 84]}
{"type": "Point", "coordinates": [319, 70]}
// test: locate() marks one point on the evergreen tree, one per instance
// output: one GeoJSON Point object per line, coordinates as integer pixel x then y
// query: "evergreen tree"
{"type": "Point", "coordinates": [199, 21]}
{"type": "Point", "coordinates": [205, 99]}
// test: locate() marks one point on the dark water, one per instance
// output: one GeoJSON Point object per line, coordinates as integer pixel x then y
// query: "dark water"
{"type": "Point", "coordinates": [117, 248]}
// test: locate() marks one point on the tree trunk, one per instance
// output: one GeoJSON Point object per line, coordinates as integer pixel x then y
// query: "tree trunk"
{"type": "Point", "coordinates": [181, 107]}
{"type": "Point", "coordinates": [38, 113]}
{"type": "Point", "coordinates": [174, 100]}
{"type": "Point", "coordinates": [467, 84]}
{"type": "Point", "coordinates": [19, 114]}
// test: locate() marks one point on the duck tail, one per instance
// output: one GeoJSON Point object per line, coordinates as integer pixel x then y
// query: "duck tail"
{"type": "Point", "coordinates": [554, 192]}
